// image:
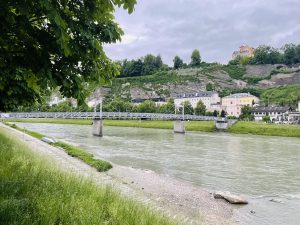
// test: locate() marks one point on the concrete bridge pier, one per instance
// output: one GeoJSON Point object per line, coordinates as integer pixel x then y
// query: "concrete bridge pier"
{"type": "Point", "coordinates": [179, 127]}
{"type": "Point", "coordinates": [98, 127]}
{"type": "Point", "coordinates": [224, 124]}
{"type": "Point", "coordinates": [221, 124]}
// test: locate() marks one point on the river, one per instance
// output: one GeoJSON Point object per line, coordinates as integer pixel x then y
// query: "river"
{"type": "Point", "coordinates": [265, 169]}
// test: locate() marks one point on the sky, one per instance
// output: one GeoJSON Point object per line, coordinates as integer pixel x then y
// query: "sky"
{"type": "Point", "coordinates": [215, 27]}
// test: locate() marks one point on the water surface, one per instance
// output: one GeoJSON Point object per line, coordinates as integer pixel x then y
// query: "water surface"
{"type": "Point", "coordinates": [260, 167]}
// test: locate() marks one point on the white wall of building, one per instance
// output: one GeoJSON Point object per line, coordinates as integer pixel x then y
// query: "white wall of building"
{"type": "Point", "coordinates": [208, 101]}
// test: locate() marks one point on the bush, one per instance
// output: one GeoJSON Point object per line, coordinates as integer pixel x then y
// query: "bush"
{"type": "Point", "coordinates": [266, 119]}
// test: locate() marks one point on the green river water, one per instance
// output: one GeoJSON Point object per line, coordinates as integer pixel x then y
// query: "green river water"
{"type": "Point", "coordinates": [262, 168]}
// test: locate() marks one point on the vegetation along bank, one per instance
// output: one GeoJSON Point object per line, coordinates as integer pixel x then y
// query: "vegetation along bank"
{"type": "Point", "coordinates": [34, 192]}
{"type": "Point", "coordinates": [206, 126]}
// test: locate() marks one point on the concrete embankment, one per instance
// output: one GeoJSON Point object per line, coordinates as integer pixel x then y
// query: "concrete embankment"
{"type": "Point", "coordinates": [188, 203]}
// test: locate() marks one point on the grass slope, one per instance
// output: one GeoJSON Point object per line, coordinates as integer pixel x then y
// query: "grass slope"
{"type": "Point", "coordinates": [284, 95]}
{"type": "Point", "coordinates": [73, 151]}
{"type": "Point", "coordinates": [206, 126]}
{"type": "Point", "coordinates": [265, 129]}
{"type": "Point", "coordinates": [33, 192]}
{"type": "Point", "coordinates": [158, 124]}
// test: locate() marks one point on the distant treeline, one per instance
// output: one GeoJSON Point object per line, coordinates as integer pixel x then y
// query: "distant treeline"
{"type": "Point", "coordinates": [151, 64]}
{"type": "Point", "coordinates": [289, 54]}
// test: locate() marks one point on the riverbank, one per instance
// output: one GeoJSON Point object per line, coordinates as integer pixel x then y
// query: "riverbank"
{"type": "Point", "coordinates": [190, 204]}
{"type": "Point", "coordinates": [71, 150]}
{"type": "Point", "coordinates": [206, 126]}
{"type": "Point", "coordinates": [33, 191]}
{"type": "Point", "coordinates": [265, 129]}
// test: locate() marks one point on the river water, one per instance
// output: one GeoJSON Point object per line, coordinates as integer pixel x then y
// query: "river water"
{"type": "Point", "coordinates": [265, 169]}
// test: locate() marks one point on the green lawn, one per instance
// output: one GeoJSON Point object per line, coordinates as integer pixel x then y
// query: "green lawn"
{"type": "Point", "coordinates": [207, 126]}
{"type": "Point", "coordinates": [58, 121]}
{"type": "Point", "coordinates": [34, 192]}
{"type": "Point", "coordinates": [265, 129]}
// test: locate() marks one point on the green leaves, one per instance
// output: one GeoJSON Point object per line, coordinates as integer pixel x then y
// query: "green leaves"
{"type": "Point", "coordinates": [45, 44]}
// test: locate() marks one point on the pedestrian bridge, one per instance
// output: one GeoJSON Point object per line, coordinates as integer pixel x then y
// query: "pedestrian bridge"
{"type": "Point", "coordinates": [109, 115]}
{"type": "Point", "coordinates": [179, 125]}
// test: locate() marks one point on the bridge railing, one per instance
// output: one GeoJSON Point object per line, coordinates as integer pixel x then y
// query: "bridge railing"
{"type": "Point", "coordinates": [109, 115]}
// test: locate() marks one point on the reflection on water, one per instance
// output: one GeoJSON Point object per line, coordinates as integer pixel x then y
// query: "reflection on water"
{"type": "Point", "coordinates": [262, 168]}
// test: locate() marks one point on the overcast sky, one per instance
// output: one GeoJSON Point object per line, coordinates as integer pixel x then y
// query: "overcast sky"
{"type": "Point", "coordinates": [215, 27]}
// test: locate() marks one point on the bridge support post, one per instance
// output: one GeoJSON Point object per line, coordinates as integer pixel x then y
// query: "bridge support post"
{"type": "Point", "coordinates": [179, 127]}
{"type": "Point", "coordinates": [224, 124]}
{"type": "Point", "coordinates": [98, 127]}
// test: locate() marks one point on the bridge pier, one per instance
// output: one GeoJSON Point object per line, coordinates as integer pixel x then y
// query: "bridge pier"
{"type": "Point", "coordinates": [224, 124]}
{"type": "Point", "coordinates": [98, 127]}
{"type": "Point", "coordinates": [179, 127]}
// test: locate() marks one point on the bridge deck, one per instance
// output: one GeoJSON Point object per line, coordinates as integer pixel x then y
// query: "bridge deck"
{"type": "Point", "coordinates": [109, 115]}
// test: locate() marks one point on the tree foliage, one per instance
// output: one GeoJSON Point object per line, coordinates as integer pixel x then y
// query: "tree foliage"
{"type": "Point", "coordinates": [246, 113]}
{"type": "Point", "coordinates": [288, 54]}
{"type": "Point", "coordinates": [178, 62]}
{"type": "Point", "coordinates": [188, 108]}
{"type": "Point", "coordinates": [45, 44]}
{"type": "Point", "coordinates": [200, 109]}
{"type": "Point", "coordinates": [195, 58]}
{"type": "Point", "coordinates": [147, 65]}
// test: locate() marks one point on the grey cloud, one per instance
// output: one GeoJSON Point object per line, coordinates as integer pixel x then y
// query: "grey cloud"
{"type": "Point", "coordinates": [215, 27]}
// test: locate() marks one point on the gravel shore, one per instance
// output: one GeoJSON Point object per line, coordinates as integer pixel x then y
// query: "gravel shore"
{"type": "Point", "coordinates": [181, 200]}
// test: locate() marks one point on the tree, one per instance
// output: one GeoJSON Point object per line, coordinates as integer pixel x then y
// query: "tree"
{"type": "Point", "coordinates": [266, 119]}
{"type": "Point", "coordinates": [200, 108]}
{"type": "Point", "coordinates": [215, 113]}
{"type": "Point", "coordinates": [210, 87]}
{"type": "Point", "coordinates": [46, 44]}
{"type": "Point", "coordinates": [150, 65]}
{"type": "Point", "coordinates": [297, 50]}
{"type": "Point", "coordinates": [246, 113]}
{"type": "Point", "coordinates": [147, 106]}
{"type": "Point", "coordinates": [188, 108]}
{"type": "Point", "coordinates": [117, 105]}
{"type": "Point", "coordinates": [158, 62]}
{"type": "Point", "coordinates": [195, 58]}
{"type": "Point", "coordinates": [223, 113]}
{"type": "Point", "coordinates": [178, 63]}
{"type": "Point", "coordinates": [290, 54]}
{"type": "Point", "coordinates": [266, 55]}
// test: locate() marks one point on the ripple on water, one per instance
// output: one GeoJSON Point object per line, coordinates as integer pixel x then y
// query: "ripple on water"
{"type": "Point", "coordinates": [256, 166]}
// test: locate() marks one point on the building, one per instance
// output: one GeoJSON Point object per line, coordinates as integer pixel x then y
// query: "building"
{"type": "Point", "coordinates": [158, 101]}
{"type": "Point", "coordinates": [234, 103]}
{"type": "Point", "coordinates": [244, 51]}
{"type": "Point", "coordinates": [275, 113]}
{"type": "Point", "coordinates": [294, 117]}
{"type": "Point", "coordinates": [209, 98]}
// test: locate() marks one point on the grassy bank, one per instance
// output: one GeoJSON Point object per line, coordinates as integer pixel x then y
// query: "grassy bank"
{"type": "Point", "coordinates": [56, 121]}
{"type": "Point", "coordinates": [207, 126]}
{"type": "Point", "coordinates": [33, 192]}
{"type": "Point", "coordinates": [265, 129]}
{"type": "Point", "coordinates": [158, 124]}
{"type": "Point", "coordinates": [73, 151]}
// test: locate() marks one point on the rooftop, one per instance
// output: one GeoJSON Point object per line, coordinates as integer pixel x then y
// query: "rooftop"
{"type": "Point", "coordinates": [196, 94]}
{"type": "Point", "coordinates": [278, 109]}
{"type": "Point", "coordinates": [240, 95]}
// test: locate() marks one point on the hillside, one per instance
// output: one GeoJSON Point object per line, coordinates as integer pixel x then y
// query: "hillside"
{"type": "Point", "coordinates": [222, 78]}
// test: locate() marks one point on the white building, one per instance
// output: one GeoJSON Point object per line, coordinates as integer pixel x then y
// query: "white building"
{"type": "Point", "coordinates": [209, 98]}
{"type": "Point", "coordinates": [275, 113]}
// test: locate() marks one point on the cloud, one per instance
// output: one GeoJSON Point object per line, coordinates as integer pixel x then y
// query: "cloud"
{"type": "Point", "coordinates": [215, 27]}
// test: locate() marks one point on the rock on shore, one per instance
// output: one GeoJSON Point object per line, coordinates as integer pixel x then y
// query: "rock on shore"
{"type": "Point", "coordinates": [231, 198]}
